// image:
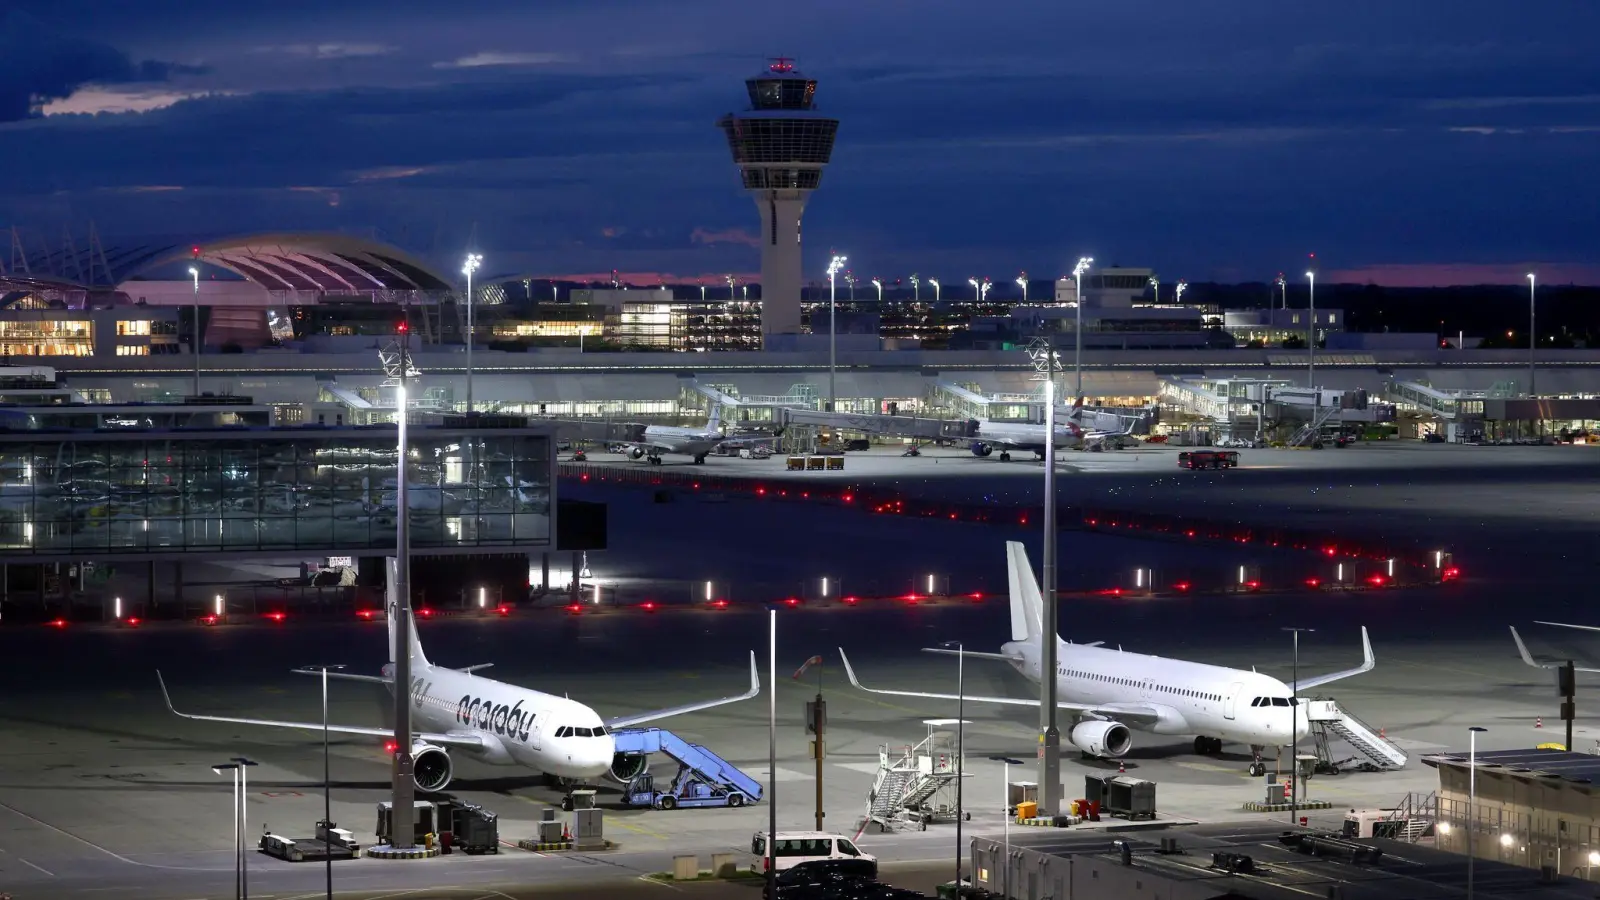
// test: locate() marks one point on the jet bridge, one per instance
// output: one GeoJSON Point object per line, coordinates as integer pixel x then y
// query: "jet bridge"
{"type": "Point", "coordinates": [881, 425]}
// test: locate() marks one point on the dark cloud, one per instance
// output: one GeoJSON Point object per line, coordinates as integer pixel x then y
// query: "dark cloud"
{"type": "Point", "coordinates": [38, 64]}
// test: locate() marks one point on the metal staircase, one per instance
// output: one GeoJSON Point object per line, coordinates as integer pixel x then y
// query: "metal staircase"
{"type": "Point", "coordinates": [1415, 817]}
{"type": "Point", "coordinates": [908, 787]}
{"type": "Point", "coordinates": [1312, 430]}
{"type": "Point", "coordinates": [1373, 751]}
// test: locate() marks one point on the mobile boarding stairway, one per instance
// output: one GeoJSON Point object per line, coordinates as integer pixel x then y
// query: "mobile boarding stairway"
{"type": "Point", "coordinates": [703, 779]}
{"type": "Point", "coordinates": [1373, 751]}
{"type": "Point", "coordinates": [915, 787]}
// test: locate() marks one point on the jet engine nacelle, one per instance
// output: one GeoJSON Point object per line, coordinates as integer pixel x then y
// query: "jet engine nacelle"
{"type": "Point", "coordinates": [430, 768]}
{"type": "Point", "coordinates": [981, 449]}
{"type": "Point", "coordinates": [625, 767]}
{"type": "Point", "coordinates": [636, 453]}
{"type": "Point", "coordinates": [1098, 737]}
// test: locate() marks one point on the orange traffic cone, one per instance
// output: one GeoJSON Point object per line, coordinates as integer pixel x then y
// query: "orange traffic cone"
{"type": "Point", "coordinates": [566, 835]}
{"type": "Point", "coordinates": [1382, 734]}
{"type": "Point", "coordinates": [1121, 769]}
{"type": "Point", "coordinates": [1538, 721]}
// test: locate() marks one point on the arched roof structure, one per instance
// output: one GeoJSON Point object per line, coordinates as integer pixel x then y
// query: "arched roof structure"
{"type": "Point", "coordinates": [333, 263]}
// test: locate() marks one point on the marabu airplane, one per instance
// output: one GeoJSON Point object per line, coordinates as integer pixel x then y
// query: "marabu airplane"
{"type": "Point", "coordinates": [1106, 691]}
{"type": "Point", "coordinates": [695, 442]}
{"type": "Point", "coordinates": [488, 721]}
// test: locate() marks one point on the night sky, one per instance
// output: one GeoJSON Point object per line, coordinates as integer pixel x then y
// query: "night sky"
{"type": "Point", "coordinates": [1406, 143]}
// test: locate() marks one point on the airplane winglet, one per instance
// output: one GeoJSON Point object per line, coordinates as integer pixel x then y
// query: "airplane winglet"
{"type": "Point", "coordinates": [755, 678]}
{"type": "Point", "coordinates": [1368, 663]}
{"type": "Point", "coordinates": [850, 671]}
{"type": "Point", "coordinates": [1523, 650]}
{"type": "Point", "coordinates": [166, 696]}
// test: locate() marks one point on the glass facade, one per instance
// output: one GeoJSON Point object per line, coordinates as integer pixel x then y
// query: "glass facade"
{"type": "Point", "coordinates": [47, 337]}
{"type": "Point", "coordinates": [329, 491]}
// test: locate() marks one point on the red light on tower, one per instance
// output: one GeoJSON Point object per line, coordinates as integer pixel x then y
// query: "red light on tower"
{"type": "Point", "coordinates": [401, 328]}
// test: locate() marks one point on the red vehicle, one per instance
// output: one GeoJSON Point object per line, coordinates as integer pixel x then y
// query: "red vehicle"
{"type": "Point", "coordinates": [1208, 459]}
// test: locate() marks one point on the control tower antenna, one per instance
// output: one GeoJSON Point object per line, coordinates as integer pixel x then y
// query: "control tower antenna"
{"type": "Point", "coordinates": [780, 145]}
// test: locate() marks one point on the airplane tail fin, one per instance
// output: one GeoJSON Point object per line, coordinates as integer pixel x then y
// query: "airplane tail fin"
{"type": "Point", "coordinates": [714, 421]}
{"type": "Point", "coordinates": [391, 610]}
{"type": "Point", "coordinates": [1027, 605]}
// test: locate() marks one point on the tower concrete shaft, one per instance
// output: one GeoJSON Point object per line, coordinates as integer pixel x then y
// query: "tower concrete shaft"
{"type": "Point", "coordinates": [780, 144]}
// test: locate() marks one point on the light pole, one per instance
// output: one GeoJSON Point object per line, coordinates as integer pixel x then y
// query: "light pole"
{"type": "Point", "coordinates": [474, 260]}
{"type": "Point", "coordinates": [1178, 294]}
{"type": "Point", "coordinates": [194, 272]}
{"type": "Point", "coordinates": [1283, 286]}
{"type": "Point", "coordinates": [879, 285]}
{"type": "Point", "coordinates": [935, 283]}
{"type": "Point", "coordinates": [984, 294]}
{"type": "Point", "coordinates": [1077, 332]}
{"type": "Point", "coordinates": [702, 292]}
{"type": "Point", "coordinates": [977, 289]}
{"type": "Point", "coordinates": [834, 266]}
{"type": "Point", "coordinates": [961, 741]}
{"type": "Point", "coordinates": [399, 371]}
{"type": "Point", "coordinates": [1022, 280]}
{"type": "Point", "coordinates": [244, 823]}
{"type": "Point", "coordinates": [1043, 356]}
{"type": "Point", "coordinates": [850, 284]}
{"type": "Point", "coordinates": [238, 852]}
{"type": "Point", "coordinates": [1533, 337]}
{"type": "Point", "coordinates": [1311, 336]}
{"type": "Point", "coordinates": [1472, 800]}
{"type": "Point", "coordinates": [916, 288]}
{"type": "Point", "coordinates": [1155, 287]}
{"type": "Point", "coordinates": [1005, 810]}
{"type": "Point", "coordinates": [1294, 731]}
{"type": "Point", "coordinates": [772, 753]}
{"type": "Point", "coordinates": [327, 781]}
{"type": "Point", "coordinates": [732, 294]}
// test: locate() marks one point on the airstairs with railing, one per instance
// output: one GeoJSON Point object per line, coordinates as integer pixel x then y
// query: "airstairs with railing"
{"type": "Point", "coordinates": [916, 786]}
{"type": "Point", "coordinates": [1373, 751]}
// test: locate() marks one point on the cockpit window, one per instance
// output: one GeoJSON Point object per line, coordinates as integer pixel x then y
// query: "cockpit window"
{"type": "Point", "coordinates": [582, 732]}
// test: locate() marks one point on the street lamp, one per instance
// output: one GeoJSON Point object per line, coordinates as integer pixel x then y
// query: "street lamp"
{"type": "Point", "coordinates": [961, 740]}
{"type": "Point", "coordinates": [935, 283]}
{"type": "Point", "coordinates": [879, 285]}
{"type": "Point", "coordinates": [327, 781]}
{"type": "Point", "coordinates": [916, 288]}
{"type": "Point", "coordinates": [241, 791]}
{"type": "Point", "coordinates": [702, 292]}
{"type": "Point", "coordinates": [1178, 294]}
{"type": "Point", "coordinates": [233, 769]}
{"type": "Point", "coordinates": [1294, 731]}
{"type": "Point", "coordinates": [194, 272]}
{"type": "Point", "coordinates": [474, 260]}
{"type": "Point", "coordinates": [1077, 332]}
{"type": "Point", "coordinates": [1311, 336]}
{"type": "Point", "coordinates": [1022, 280]}
{"type": "Point", "coordinates": [977, 289]}
{"type": "Point", "coordinates": [1005, 809]}
{"type": "Point", "coordinates": [732, 295]}
{"type": "Point", "coordinates": [984, 294]}
{"type": "Point", "coordinates": [1533, 336]}
{"type": "Point", "coordinates": [834, 266]}
{"type": "Point", "coordinates": [1283, 285]}
{"type": "Point", "coordinates": [850, 284]}
{"type": "Point", "coordinates": [1155, 287]}
{"type": "Point", "coordinates": [1472, 800]}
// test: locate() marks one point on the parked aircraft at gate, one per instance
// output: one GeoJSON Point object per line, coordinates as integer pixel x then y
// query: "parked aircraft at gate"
{"type": "Point", "coordinates": [488, 721]}
{"type": "Point", "coordinates": [1106, 691]}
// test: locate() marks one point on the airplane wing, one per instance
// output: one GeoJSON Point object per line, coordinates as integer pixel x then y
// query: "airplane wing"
{"type": "Point", "coordinates": [347, 676]}
{"type": "Point", "coordinates": [1528, 657]}
{"type": "Point", "coordinates": [1565, 625]}
{"type": "Point", "coordinates": [971, 653]}
{"type": "Point", "coordinates": [653, 715]}
{"type": "Point", "coordinates": [464, 741]}
{"type": "Point", "coordinates": [1367, 664]}
{"type": "Point", "coordinates": [1129, 711]}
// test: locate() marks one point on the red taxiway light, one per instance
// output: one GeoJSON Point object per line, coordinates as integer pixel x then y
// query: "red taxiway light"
{"type": "Point", "coordinates": [503, 610]}
{"type": "Point", "coordinates": [849, 497]}
{"type": "Point", "coordinates": [976, 595]}
{"type": "Point", "coordinates": [792, 601]}
{"type": "Point", "coordinates": [1313, 582]}
{"type": "Point", "coordinates": [850, 601]}
{"type": "Point", "coordinates": [133, 620]}
{"type": "Point", "coordinates": [425, 612]}
{"type": "Point", "coordinates": [1189, 533]}
{"type": "Point", "coordinates": [574, 608]}
{"type": "Point", "coordinates": [1377, 580]}
{"type": "Point", "coordinates": [208, 620]}
{"type": "Point", "coordinates": [761, 492]}
{"type": "Point", "coordinates": [365, 613]}
{"type": "Point", "coordinates": [1450, 574]}
{"type": "Point", "coordinates": [648, 606]}
{"type": "Point", "coordinates": [57, 623]}
{"type": "Point", "coordinates": [719, 604]}
{"type": "Point", "coordinates": [1331, 551]}
{"type": "Point", "coordinates": [276, 616]}
{"type": "Point", "coordinates": [1252, 585]}
{"type": "Point", "coordinates": [1181, 586]}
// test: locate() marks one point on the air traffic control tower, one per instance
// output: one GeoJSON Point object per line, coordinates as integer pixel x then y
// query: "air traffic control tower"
{"type": "Point", "coordinates": [780, 146]}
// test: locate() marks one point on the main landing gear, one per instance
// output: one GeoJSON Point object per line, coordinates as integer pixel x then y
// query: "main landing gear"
{"type": "Point", "coordinates": [700, 459]}
{"type": "Point", "coordinates": [1257, 767]}
{"type": "Point", "coordinates": [1005, 456]}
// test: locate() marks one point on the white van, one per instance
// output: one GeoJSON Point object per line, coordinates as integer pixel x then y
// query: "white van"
{"type": "Point", "coordinates": [803, 846]}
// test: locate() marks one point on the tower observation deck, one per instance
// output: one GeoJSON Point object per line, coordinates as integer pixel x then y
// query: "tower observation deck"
{"type": "Point", "coordinates": [780, 146]}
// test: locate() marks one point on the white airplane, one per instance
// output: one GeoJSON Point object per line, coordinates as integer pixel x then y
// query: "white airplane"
{"type": "Point", "coordinates": [696, 442]}
{"type": "Point", "coordinates": [1106, 691]}
{"type": "Point", "coordinates": [457, 711]}
{"type": "Point", "coordinates": [1528, 657]}
{"type": "Point", "coordinates": [1077, 428]}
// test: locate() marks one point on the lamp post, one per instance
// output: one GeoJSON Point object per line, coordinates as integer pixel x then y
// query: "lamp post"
{"type": "Point", "coordinates": [935, 283]}
{"type": "Point", "coordinates": [243, 765]}
{"type": "Point", "coordinates": [1077, 332]}
{"type": "Point", "coordinates": [879, 285]}
{"type": "Point", "coordinates": [977, 289]}
{"type": "Point", "coordinates": [1022, 280]}
{"type": "Point", "coordinates": [233, 769]}
{"type": "Point", "coordinates": [916, 288]}
{"type": "Point", "coordinates": [850, 284]}
{"type": "Point", "coordinates": [1283, 286]}
{"type": "Point", "coordinates": [1294, 731]}
{"type": "Point", "coordinates": [399, 370]}
{"type": "Point", "coordinates": [1533, 336]}
{"type": "Point", "coordinates": [327, 781]}
{"type": "Point", "coordinates": [834, 266]}
{"type": "Point", "coordinates": [1005, 809]}
{"type": "Point", "coordinates": [1155, 287]}
{"type": "Point", "coordinates": [732, 294]}
{"type": "Point", "coordinates": [474, 260]}
{"type": "Point", "coordinates": [961, 741]}
{"type": "Point", "coordinates": [1472, 800]}
{"type": "Point", "coordinates": [1311, 336]}
{"type": "Point", "coordinates": [984, 293]}
{"type": "Point", "coordinates": [1178, 294]}
{"type": "Point", "coordinates": [1043, 356]}
{"type": "Point", "coordinates": [194, 272]}
{"type": "Point", "coordinates": [702, 292]}
{"type": "Point", "coordinates": [772, 753]}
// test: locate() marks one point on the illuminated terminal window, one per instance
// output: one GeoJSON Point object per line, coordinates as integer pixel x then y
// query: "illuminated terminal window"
{"type": "Point", "coordinates": [47, 337]}
{"type": "Point", "coordinates": [133, 328]}
{"type": "Point", "coordinates": [133, 350]}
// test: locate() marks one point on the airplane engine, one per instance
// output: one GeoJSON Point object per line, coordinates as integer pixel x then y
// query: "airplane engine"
{"type": "Point", "coordinates": [1098, 737]}
{"type": "Point", "coordinates": [625, 767]}
{"type": "Point", "coordinates": [430, 768]}
{"type": "Point", "coordinates": [981, 449]}
{"type": "Point", "coordinates": [636, 453]}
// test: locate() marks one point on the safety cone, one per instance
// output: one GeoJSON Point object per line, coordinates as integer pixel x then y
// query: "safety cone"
{"type": "Point", "coordinates": [566, 835]}
{"type": "Point", "coordinates": [1538, 722]}
{"type": "Point", "coordinates": [1121, 769]}
{"type": "Point", "coordinates": [1382, 734]}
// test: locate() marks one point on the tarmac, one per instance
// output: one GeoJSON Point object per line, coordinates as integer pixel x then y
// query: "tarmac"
{"type": "Point", "coordinates": [103, 793]}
